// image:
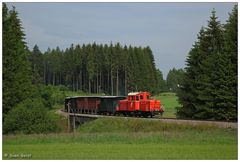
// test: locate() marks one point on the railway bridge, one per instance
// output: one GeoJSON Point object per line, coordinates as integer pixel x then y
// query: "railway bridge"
{"type": "Point", "coordinates": [75, 120]}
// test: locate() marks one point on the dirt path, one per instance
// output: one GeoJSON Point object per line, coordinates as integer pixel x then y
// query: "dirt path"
{"type": "Point", "coordinates": [62, 113]}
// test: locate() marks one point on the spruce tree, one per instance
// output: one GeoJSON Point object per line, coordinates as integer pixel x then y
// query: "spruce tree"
{"type": "Point", "coordinates": [16, 66]}
{"type": "Point", "coordinates": [90, 67]}
{"type": "Point", "coordinates": [230, 56]}
{"type": "Point", "coordinates": [187, 93]}
{"type": "Point", "coordinates": [209, 90]}
{"type": "Point", "coordinates": [161, 83]}
{"type": "Point", "coordinates": [208, 82]}
{"type": "Point", "coordinates": [36, 59]}
{"type": "Point", "coordinates": [201, 73]}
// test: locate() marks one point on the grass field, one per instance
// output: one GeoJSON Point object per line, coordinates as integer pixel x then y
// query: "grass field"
{"type": "Point", "coordinates": [126, 138]}
{"type": "Point", "coordinates": [169, 101]}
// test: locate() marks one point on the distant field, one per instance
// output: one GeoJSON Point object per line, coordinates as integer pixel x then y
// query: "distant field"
{"type": "Point", "coordinates": [169, 102]}
{"type": "Point", "coordinates": [127, 139]}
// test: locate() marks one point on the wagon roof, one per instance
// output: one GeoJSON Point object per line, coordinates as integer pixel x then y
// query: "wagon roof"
{"type": "Point", "coordinates": [105, 97]}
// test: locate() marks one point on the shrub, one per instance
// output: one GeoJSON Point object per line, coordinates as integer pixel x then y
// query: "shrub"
{"type": "Point", "coordinates": [46, 93]}
{"type": "Point", "coordinates": [58, 97]}
{"type": "Point", "coordinates": [30, 116]}
{"type": "Point", "coordinates": [62, 88]}
{"type": "Point", "coordinates": [52, 95]}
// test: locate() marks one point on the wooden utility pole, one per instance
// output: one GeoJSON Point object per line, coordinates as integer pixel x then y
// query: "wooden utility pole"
{"type": "Point", "coordinates": [69, 122]}
{"type": "Point", "coordinates": [74, 122]}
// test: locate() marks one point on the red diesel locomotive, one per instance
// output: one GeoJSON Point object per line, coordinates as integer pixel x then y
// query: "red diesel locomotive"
{"type": "Point", "coordinates": [139, 104]}
{"type": "Point", "coordinates": [135, 104]}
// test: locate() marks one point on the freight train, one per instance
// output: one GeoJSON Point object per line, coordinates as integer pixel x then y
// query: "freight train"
{"type": "Point", "coordinates": [135, 104]}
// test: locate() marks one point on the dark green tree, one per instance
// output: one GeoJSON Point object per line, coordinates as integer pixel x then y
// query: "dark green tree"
{"type": "Point", "coordinates": [90, 67]}
{"type": "Point", "coordinates": [196, 94]}
{"type": "Point", "coordinates": [36, 59]}
{"type": "Point", "coordinates": [16, 66]}
{"type": "Point", "coordinates": [187, 92]}
{"type": "Point", "coordinates": [161, 83]}
{"type": "Point", "coordinates": [226, 74]}
{"type": "Point", "coordinates": [209, 90]}
{"type": "Point", "coordinates": [208, 81]}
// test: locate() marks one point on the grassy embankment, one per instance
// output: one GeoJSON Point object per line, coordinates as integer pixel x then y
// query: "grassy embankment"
{"type": "Point", "coordinates": [124, 138]}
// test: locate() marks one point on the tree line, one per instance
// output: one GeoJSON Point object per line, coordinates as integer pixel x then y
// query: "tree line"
{"type": "Point", "coordinates": [209, 87]}
{"type": "Point", "coordinates": [110, 69]}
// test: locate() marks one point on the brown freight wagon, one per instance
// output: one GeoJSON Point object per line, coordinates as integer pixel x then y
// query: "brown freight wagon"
{"type": "Point", "coordinates": [93, 104]}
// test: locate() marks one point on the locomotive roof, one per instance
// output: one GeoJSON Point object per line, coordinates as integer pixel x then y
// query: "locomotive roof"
{"type": "Point", "coordinates": [135, 93]}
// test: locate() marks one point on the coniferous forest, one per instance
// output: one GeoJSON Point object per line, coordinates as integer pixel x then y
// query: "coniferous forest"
{"type": "Point", "coordinates": [109, 69]}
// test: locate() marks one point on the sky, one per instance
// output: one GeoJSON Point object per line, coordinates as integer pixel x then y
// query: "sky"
{"type": "Point", "coordinates": [169, 29]}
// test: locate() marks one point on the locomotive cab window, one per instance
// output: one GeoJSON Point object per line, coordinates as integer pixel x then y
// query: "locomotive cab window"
{"type": "Point", "coordinates": [148, 97]}
{"type": "Point", "coordinates": [137, 98]}
{"type": "Point", "coordinates": [141, 97]}
{"type": "Point", "coordinates": [132, 98]}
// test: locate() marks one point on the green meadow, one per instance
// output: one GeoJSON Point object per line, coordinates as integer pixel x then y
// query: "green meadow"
{"type": "Point", "coordinates": [169, 101]}
{"type": "Point", "coordinates": [124, 138]}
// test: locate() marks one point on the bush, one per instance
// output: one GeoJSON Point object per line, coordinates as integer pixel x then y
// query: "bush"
{"type": "Point", "coordinates": [46, 93]}
{"type": "Point", "coordinates": [62, 88]}
{"type": "Point", "coordinates": [30, 116]}
{"type": "Point", "coordinates": [58, 97]}
{"type": "Point", "coordinates": [50, 95]}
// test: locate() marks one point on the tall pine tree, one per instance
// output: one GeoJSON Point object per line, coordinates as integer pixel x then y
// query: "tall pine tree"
{"type": "Point", "coordinates": [187, 92]}
{"type": "Point", "coordinates": [230, 57]}
{"type": "Point", "coordinates": [37, 65]}
{"type": "Point", "coordinates": [16, 67]}
{"type": "Point", "coordinates": [209, 67]}
{"type": "Point", "coordinates": [209, 90]}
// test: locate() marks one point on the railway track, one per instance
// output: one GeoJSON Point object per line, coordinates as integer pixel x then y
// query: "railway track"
{"type": "Point", "coordinates": [221, 124]}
